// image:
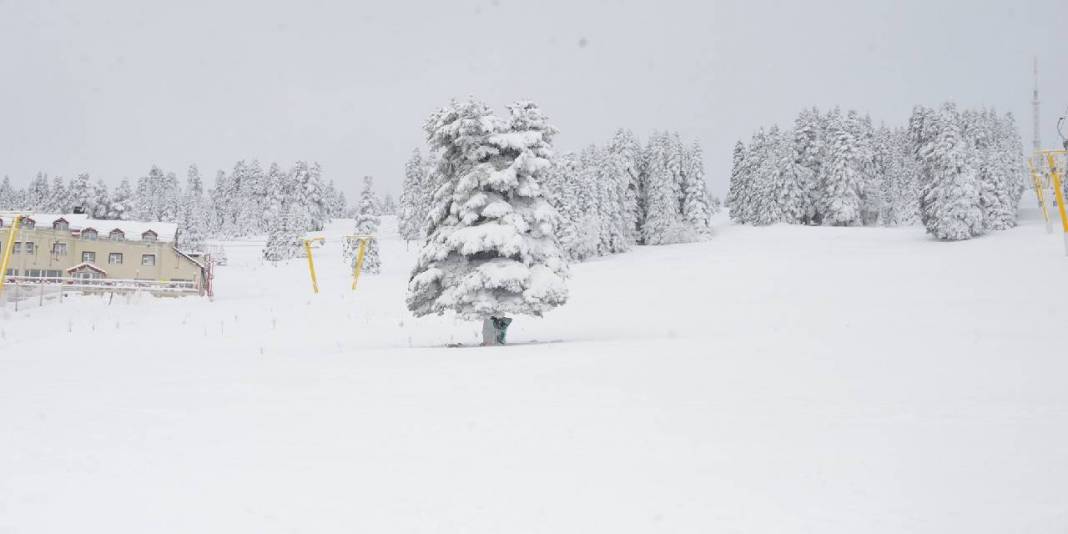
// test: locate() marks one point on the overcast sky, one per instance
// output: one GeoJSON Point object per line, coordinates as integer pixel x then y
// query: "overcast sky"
{"type": "Point", "coordinates": [112, 87]}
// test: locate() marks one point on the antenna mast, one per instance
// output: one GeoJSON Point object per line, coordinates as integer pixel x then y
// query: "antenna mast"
{"type": "Point", "coordinates": [1037, 138]}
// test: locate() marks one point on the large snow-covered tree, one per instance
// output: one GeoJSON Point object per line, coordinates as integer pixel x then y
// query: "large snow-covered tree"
{"type": "Point", "coordinates": [491, 249]}
{"type": "Point", "coordinates": [840, 190]}
{"type": "Point", "coordinates": [695, 210]}
{"type": "Point", "coordinates": [949, 206]}
{"type": "Point", "coordinates": [283, 215]}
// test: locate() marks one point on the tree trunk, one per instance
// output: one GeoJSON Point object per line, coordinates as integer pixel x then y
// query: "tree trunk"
{"type": "Point", "coordinates": [494, 330]}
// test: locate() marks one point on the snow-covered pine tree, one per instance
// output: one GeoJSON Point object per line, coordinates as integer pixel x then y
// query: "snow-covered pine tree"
{"type": "Point", "coordinates": [1011, 164]}
{"type": "Point", "coordinates": [80, 194]}
{"type": "Point", "coordinates": [809, 145]}
{"type": "Point", "coordinates": [949, 206]}
{"type": "Point", "coordinates": [389, 206]}
{"type": "Point", "coordinates": [999, 177]}
{"type": "Point", "coordinates": [156, 196]}
{"type": "Point", "coordinates": [341, 205]}
{"type": "Point", "coordinates": [623, 165]}
{"type": "Point", "coordinates": [220, 201]}
{"type": "Point", "coordinates": [367, 222]}
{"type": "Point", "coordinates": [695, 210]}
{"type": "Point", "coordinates": [896, 169]}
{"type": "Point", "coordinates": [252, 183]}
{"type": "Point", "coordinates": [739, 184]}
{"type": "Point", "coordinates": [37, 194]}
{"type": "Point", "coordinates": [411, 217]}
{"type": "Point", "coordinates": [867, 178]}
{"type": "Point", "coordinates": [794, 181]}
{"type": "Point", "coordinates": [314, 199]}
{"type": "Point", "coordinates": [121, 201]}
{"type": "Point", "coordinates": [589, 190]}
{"type": "Point", "coordinates": [284, 218]}
{"type": "Point", "coordinates": [767, 151]}
{"type": "Point", "coordinates": [661, 225]}
{"type": "Point", "coordinates": [101, 200]}
{"type": "Point", "coordinates": [560, 189]}
{"type": "Point", "coordinates": [7, 195]}
{"type": "Point", "coordinates": [194, 218]}
{"type": "Point", "coordinates": [491, 249]}
{"type": "Point", "coordinates": [840, 188]}
{"type": "Point", "coordinates": [58, 201]}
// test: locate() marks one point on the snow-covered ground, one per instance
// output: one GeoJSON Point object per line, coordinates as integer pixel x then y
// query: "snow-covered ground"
{"type": "Point", "coordinates": [781, 379]}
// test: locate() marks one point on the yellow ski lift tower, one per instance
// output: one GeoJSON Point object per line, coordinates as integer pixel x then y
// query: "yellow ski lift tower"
{"type": "Point", "coordinates": [357, 267]}
{"type": "Point", "coordinates": [1038, 180]}
{"type": "Point", "coordinates": [311, 262]}
{"type": "Point", "coordinates": [8, 247]}
{"type": "Point", "coordinates": [1052, 176]}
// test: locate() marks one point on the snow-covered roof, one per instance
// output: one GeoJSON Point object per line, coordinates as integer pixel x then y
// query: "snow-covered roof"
{"type": "Point", "coordinates": [132, 229]}
{"type": "Point", "coordinates": [87, 265]}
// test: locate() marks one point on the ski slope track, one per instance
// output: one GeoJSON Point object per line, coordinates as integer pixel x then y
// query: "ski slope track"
{"type": "Point", "coordinates": [776, 379]}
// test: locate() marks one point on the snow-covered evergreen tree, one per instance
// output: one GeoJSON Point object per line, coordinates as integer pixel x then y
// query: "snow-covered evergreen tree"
{"type": "Point", "coordinates": [389, 206]}
{"type": "Point", "coordinates": [284, 216]}
{"type": "Point", "coordinates": [193, 222]}
{"type": "Point", "coordinates": [840, 190]}
{"type": "Point", "coordinates": [809, 145]}
{"type": "Point", "coordinates": [80, 194]}
{"type": "Point", "coordinates": [7, 195]}
{"type": "Point", "coordinates": [794, 181]}
{"type": "Point", "coordinates": [662, 224]}
{"type": "Point", "coordinates": [121, 202]}
{"type": "Point", "coordinates": [313, 198]}
{"type": "Point", "coordinates": [949, 207]}
{"type": "Point", "coordinates": [58, 200]}
{"type": "Point", "coordinates": [999, 167]}
{"type": "Point", "coordinates": [738, 189]}
{"type": "Point", "coordinates": [411, 217]}
{"type": "Point", "coordinates": [37, 194]}
{"type": "Point", "coordinates": [101, 200]}
{"type": "Point", "coordinates": [623, 159]}
{"type": "Point", "coordinates": [492, 249]}
{"type": "Point", "coordinates": [367, 222]}
{"type": "Point", "coordinates": [695, 210]}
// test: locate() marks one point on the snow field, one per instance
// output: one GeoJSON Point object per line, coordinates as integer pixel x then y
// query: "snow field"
{"type": "Point", "coordinates": [778, 379]}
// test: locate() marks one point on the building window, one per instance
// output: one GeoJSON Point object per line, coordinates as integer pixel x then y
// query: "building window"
{"type": "Point", "coordinates": [88, 257]}
{"type": "Point", "coordinates": [148, 236]}
{"type": "Point", "coordinates": [23, 248]}
{"type": "Point", "coordinates": [116, 235]}
{"type": "Point", "coordinates": [12, 272]}
{"type": "Point", "coordinates": [34, 273]}
{"type": "Point", "coordinates": [115, 258]}
{"type": "Point", "coordinates": [59, 249]}
{"type": "Point", "coordinates": [89, 233]}
{"type": "Point", "coordinates": [87, 274]}
{"type": "Point", "coordinates": [148, 260]}
{"type": "Point", "coordinates": [28, 224]}
{"type": "Point", "coordinates": [54, 274]}
{"type": "Point", "coordinates": [61, 224]}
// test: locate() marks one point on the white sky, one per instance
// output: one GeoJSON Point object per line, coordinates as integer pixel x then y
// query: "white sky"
{"type": "Point", "coordinates": [114, 86]}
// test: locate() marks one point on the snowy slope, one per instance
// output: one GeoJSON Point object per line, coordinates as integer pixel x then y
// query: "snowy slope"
{"type": "Point", "coordinates": [779, 379]}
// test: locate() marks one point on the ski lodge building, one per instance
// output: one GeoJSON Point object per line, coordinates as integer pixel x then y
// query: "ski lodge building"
{"type": "Point", "coordinates": [68, 248]}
